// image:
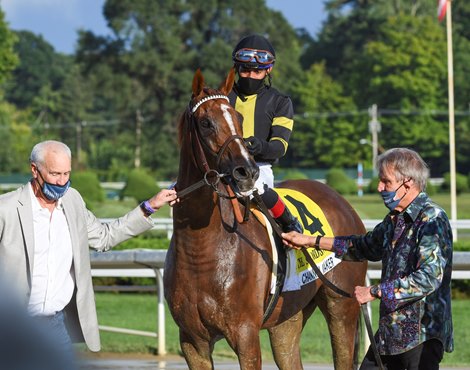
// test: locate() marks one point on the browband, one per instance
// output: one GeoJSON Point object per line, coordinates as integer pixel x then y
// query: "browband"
{"type": "Point", "coordinates": [207, 98]}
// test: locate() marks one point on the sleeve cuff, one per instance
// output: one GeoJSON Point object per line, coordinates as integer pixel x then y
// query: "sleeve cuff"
{"type": "Point", "coordinates": [340, 246]}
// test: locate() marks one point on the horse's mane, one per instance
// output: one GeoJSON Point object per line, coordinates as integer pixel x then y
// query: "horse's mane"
{"type": "Point", "coordinates": [182, 126]}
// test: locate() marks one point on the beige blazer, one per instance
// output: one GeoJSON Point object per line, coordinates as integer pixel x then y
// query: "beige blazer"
{"type": "Point", "coordinates": [86, 231]}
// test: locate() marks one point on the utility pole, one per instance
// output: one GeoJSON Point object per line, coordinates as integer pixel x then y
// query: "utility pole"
{"type": "Point", "coordinates": [374, 129]}
{"type": "Point", "coordinates": [78, 129]}
{"type": "Point", "coordinates": [450, 82]}
{"type": "Point", "coordinates": [138, 138]}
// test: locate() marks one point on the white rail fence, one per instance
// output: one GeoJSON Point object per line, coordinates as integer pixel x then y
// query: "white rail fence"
{"type": "Point", "coordinates": [149, 263]}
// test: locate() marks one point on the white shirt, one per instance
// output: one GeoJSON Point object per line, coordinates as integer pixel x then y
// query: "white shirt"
{"type": "Point", "coordinates": [52, 280]}
{"type": "Point", "coordinates": [266, 177]}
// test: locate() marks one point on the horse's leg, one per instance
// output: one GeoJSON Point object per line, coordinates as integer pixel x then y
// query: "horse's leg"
{"type": "Point", "coordinates": [245, 342]}
{"type": "Point", "coordinates": [198, 355]}
{"type": "Point", "coordinates": [285, 342]}
{"type": "Point", "coordinates": [341, 315]}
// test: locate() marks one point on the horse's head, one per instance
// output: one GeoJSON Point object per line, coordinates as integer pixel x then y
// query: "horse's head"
{"type": "Point", "coordinates": [214, 133]}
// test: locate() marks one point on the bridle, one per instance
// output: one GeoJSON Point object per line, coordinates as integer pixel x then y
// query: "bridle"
{"type": "Point", "coordinates": [211, 177]}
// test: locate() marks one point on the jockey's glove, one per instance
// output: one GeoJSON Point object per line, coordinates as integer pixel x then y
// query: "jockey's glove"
{"type": "Point", "coordinates": [255, 146]}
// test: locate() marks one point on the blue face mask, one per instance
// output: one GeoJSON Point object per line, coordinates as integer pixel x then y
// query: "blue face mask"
{"type": "Point", "coordinates": [389, 198]}
{"type": "Point", "coordinates": [53, 192]}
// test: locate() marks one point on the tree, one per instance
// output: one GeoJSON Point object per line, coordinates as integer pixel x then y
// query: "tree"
{"type": "Point", "coordinates": [404, 72]}
{"type": "Point", "coordinates": [16, 139]}
{"type": "Point", "coordinates": [39, 66]}
{"type": "Point", "coordinates": [376, 51]}
{"type": "Point", "coordinates": [321, 136]}
{"type": "Point", "coordinates": [149, 62]}
{"type": "Point", "coordinates": [8, 58]}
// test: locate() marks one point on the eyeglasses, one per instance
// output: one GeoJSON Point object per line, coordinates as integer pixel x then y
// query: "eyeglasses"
{"type": "Point", "coordinates": [247, 55]}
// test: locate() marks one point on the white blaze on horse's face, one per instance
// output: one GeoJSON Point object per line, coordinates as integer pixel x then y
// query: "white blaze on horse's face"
{"type": "Point", "coordinates": [228, 117]}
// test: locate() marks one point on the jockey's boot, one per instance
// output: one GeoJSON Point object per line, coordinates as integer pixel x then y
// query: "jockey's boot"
{"type": "Point", "coordinates": [280, 212]}
{"type": "Point", "coordinates": [289, 222]}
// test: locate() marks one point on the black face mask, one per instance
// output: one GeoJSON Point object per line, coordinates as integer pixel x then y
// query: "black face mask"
{"type": "Point", "coordinates": [249, 86]}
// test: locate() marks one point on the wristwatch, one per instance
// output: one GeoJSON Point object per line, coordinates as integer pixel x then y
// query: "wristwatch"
{"type": "Point", "coordinates": [374, 291]}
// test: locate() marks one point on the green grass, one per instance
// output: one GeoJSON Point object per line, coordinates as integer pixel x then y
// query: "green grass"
{"type": "Point", "coordinates": [139, 311]}
{"type": "Point", "coordinates": [369, 206]}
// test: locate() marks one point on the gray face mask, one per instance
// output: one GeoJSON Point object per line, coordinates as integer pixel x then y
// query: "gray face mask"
{"type": "Point", "coordinates": [249, 86]}
{"type": "Point", "coordinates": [389, 198]}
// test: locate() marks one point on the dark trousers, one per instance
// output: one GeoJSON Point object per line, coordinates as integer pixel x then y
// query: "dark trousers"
{"type": "Point", "coordinates": [426, 356]}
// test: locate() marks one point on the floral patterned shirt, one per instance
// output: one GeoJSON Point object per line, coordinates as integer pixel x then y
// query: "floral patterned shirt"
{"type": "Point", "coordinates": [416, 275]}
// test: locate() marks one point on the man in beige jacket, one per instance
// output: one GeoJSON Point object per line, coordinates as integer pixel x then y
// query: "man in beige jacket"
{"type": "Point", "coordinates": [45, 235]}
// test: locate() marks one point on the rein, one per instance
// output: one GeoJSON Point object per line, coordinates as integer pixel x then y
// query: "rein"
{"type": "Point", "coordinates": [203, 161]}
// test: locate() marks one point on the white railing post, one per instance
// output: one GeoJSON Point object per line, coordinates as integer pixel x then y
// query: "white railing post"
{"type": "Point", "coordinates": [161, 313]}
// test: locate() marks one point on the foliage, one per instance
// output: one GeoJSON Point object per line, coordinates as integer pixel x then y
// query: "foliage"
{"type": "Point", "coordinates": [145, 242]}
{"type": "Point", "coordinates": [372, 186]}
{"type": "Point", "coordinates": [430, 188]}
{"type": "Point", "coordinates": [16, 139]}
{"type": "Point", "coordinates": [148, 63]}
{"type": "Point", "coordinates": [292, 174]}
{"type": "Point", "coordinates": [8, 58]}
{"type": "Point", "coordinates": [319, 140]}
{"type": "Point", "coordinates": [375, 50]}
{"type": "Point", "coordinates": [461, 183]}
{"type": "Point", "coordinates": [140, 186]}
{"type": "Point", "coordinates": [342, 183]}
{"type": "Point", "coordinates": [87, 183]}
{"type": "Point", "coordinates": [402, 72]}
{"type": "Point", "coordinates": [39, 67]}
{"type": "Point", "coordinates": [121, 95]}
{"type": "Point", "coordinates": [462, 246]}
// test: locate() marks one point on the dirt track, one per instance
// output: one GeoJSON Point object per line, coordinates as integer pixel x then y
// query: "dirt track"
{"type": "Point", "coordinates": [104, 361]}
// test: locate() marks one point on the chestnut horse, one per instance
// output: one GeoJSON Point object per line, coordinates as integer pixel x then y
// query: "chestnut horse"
{"type": "Point", "coordinates": [218, 271]}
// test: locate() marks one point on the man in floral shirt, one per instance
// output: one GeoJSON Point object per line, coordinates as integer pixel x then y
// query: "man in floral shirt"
{"type": "Point", "coordinates": [414, 243]}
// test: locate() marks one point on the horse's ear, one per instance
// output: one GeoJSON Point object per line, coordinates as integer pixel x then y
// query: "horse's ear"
{"type": "Point", "coordinates": [226, 86]}
{"type": "Point", "coordinates": [198, 82]}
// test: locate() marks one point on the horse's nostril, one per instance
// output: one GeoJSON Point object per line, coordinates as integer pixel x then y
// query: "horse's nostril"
{"type": "Point", "coordinates": [240, 173]}
{"type": "Point", "coordinates": [245, 173]}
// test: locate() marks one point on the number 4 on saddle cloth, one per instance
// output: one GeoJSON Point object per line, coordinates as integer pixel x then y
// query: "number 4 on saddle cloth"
{"type": "Point", "coordinates": [295, 270]}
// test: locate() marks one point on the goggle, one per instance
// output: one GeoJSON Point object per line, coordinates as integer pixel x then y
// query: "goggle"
{"type": "Point", "coordinates": [249, 55]}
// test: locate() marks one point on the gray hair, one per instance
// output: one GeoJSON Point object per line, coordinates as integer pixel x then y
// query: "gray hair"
{"type": "Point", "coordinates": [406, 164]}
{"type": "Point", "coordinates": [38, 154]}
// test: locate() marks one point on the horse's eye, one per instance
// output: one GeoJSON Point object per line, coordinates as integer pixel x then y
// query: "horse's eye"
{"type": "Point", "coordinates": [205, 123]}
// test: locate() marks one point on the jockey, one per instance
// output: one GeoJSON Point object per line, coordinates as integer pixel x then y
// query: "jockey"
{"type": "Point", "coordinates": [267, 119]}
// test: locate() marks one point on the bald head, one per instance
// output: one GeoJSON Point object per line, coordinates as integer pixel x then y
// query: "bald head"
{"type": "Point", "coordinates": [44, 148]}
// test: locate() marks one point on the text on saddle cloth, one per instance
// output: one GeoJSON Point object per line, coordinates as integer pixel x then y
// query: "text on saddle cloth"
{"type": "Point", "coordinates": [314, 222]}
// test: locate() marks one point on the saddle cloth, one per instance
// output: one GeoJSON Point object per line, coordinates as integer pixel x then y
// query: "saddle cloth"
{"type": "Point", "coordinates": [298, 270]}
